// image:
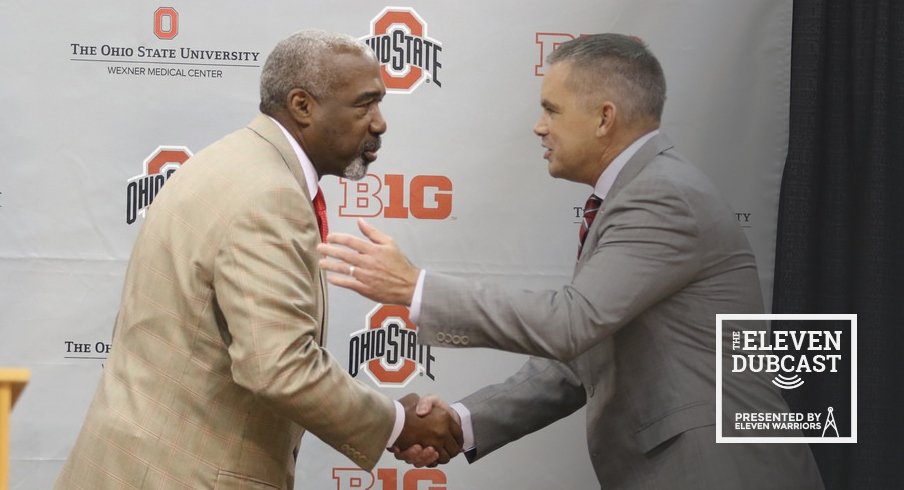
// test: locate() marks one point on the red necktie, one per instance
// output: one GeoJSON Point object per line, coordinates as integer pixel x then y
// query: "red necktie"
{"type": "Point", "coordinates": [590, 209]}
{"type": "Point", "coordinates": [320, 211]}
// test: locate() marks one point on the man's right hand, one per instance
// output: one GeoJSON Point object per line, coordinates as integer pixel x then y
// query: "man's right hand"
{"type": "Point", "coordinates": [419, 455]}
{"type": "Point", "coordinates": [429, 428]}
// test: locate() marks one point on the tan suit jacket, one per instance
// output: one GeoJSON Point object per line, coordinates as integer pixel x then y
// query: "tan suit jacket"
{"type": "Point", "coordinates": [218, 366]}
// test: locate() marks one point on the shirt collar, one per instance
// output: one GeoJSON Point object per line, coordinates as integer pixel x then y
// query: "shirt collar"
{"type": "Point", "coordinates": [608, 177]}
{"type": "Point", "coordinates": [310, 175]}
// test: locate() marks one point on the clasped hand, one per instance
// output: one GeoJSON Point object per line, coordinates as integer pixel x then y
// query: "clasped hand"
{"type": "Point", "coordinates": [432, 432]}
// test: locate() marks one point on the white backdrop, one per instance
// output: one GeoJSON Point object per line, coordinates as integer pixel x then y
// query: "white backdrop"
{"type": "Point", "coordinates": [89, 93]}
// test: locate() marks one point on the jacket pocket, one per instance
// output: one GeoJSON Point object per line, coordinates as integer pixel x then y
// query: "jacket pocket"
{"type": "Point", "coordinates": [227, 480]}
{"type": "Point", "coordinates": [674, 423]}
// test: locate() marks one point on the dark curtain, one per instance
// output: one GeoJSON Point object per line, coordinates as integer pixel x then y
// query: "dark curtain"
{"type": "Point", "coordinates": [840, 241]}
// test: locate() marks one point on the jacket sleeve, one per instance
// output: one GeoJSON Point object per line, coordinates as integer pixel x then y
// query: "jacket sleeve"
{"type": "Point", "coordinates": [268, 287]}
{"type": "Point", "coordinates": [540, 393]}
{"type": "Point", "coordinates": [648, 248]}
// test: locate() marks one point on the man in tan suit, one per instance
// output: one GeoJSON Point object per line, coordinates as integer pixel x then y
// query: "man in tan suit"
{"type": "Point", "coordinates": [218, 365]}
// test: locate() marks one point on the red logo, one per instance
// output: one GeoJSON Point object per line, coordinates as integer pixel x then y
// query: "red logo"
{"type": "Point", "coordinates": [428, 197]}
{"type": "Point", "coordinates": [398, 37]}
{"type": "Point", "coordinates": [159, 166]}
{"type": "Point", "coordinates": [548, 42]}
{"type": "Point", "coordinates": [166, 23]}
{"type": "Point", "coordinates": [387, 348]}
{"type": "Point", "coordinates": [388, 478]}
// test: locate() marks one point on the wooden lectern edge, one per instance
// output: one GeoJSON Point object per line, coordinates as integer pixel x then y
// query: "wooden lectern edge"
{"type": "Point", "coordinates": [17, 378]}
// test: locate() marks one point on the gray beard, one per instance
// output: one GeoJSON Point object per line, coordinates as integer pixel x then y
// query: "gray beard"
{"type": "Point", "coordinates": [355, 170]}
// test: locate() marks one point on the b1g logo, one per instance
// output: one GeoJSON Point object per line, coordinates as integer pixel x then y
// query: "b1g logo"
{"type": "Point", "coordinates": [429, 197]}
{"type": "Point", "coordinates": [548, 42]}
{"type": "Point", "coordinates": [387, 348]}
{"type": "Point", "coordinates": [166, 23]}
{"type": "Point", "coordinates": [388, 478]}
{"type": "Point", "coordinates": [398, 37]}
{"type": "Point", "coordinates": [159, 166]}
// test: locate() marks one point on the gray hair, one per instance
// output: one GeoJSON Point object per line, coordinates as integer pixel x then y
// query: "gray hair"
{"type": "Point", "coordinates": [615, 65]}
{"type": "Point", "coordinates": [302, 60]}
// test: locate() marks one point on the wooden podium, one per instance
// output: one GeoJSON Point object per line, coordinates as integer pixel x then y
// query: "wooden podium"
{"type": "Point", "coordinates": [12, 382]}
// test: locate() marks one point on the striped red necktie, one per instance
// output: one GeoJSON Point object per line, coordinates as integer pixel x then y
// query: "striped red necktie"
{"type": "Point", "coordinates": [590, 209]}
{"type": "Point", "coordinates": [320, 211]}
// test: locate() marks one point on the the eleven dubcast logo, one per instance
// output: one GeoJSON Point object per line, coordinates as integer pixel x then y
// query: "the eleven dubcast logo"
{"type": "Point", "coordinates": [789, 358]}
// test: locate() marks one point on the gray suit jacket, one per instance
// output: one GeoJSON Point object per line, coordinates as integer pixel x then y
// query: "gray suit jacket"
{"type": "Point", "coordinates": [217, 366]}
{"type": "Point", "coordinates": [632, 337]}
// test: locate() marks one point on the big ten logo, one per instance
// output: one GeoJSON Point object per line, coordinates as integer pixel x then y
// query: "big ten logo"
{"type": "Point", "coordinates": [388, 350]}
{"type": "Point", "coordinates": [427, 197]}
{"type": "Point", "coordinates": [548, 42]}
{"type": "Point", "coordinates": [398, 38]}
{"type": "Point", "coordinates": [166, 23]}
{"type": "Point", "coordinates": [388, 479]}
{"type": "Point", "coordinates": [159, 166]}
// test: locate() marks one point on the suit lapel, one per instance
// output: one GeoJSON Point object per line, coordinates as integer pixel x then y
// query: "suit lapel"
{"type": "Point", "coordinates": [268, 130]}
{"type": "Point", "coordinates": [650, 150]}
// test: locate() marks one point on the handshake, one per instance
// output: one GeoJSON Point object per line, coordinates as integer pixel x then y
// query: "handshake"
{"type": "Point", "coordinates": [432, 432]}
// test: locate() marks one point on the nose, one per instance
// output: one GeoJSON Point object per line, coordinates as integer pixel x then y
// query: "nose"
{"type": "Point", "coordinates": [540, 127]}
{"type": "Point", "coordinates": [378, 124]}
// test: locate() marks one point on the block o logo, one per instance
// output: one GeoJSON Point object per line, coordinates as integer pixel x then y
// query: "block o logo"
{"type": "Point", "coordinates": [388, 349]}
{"type": "Point", "coordinates": [398, 37]}
{"type": "Point", "coordinates": [166, 23]}
{"type": "Point", "coordinates": [159, 166]}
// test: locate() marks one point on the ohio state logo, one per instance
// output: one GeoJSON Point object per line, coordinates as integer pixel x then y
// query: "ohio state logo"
{"type": "Point", "coordinates": [166, 23]}
{"type": "Point", "coordinates": [398, 37]}
{"type": "Point", "coordinates": [159, 166]}
{"type": "Point", "coordinates": [387, 348]}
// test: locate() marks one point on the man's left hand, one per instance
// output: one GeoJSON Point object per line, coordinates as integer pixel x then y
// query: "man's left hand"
{"type": "Point", "coordinates": [374, 268]}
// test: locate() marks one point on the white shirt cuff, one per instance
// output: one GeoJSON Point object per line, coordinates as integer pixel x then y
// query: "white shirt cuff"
{"type": "Point", "coordinates": [399, 423]}
{"type": "Point", "coordinates": [467, 429]}
{"type": "Point", "coordinates": [414, 312]}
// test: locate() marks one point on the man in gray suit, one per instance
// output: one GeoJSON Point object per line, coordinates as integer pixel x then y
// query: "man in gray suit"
{"type": "Point", "coordinates": [632, 336]}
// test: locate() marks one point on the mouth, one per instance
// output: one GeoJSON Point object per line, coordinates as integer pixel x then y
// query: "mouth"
{"type": "Point", "coordinates": [369, 151]}
{"type": "Point", "coordinates": [547, 153]}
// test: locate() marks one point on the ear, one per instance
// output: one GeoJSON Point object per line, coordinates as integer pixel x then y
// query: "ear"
{"type": "Point", "coordinates": [301, 106]}
{"type": "Point", "coordinates": [607, 114]}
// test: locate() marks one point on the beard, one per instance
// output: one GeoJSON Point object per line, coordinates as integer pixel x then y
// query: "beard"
{"type": "Point", "coordinates": [355, 170]}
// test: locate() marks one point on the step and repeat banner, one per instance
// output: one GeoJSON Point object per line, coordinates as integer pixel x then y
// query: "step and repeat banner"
{"type": "Point", "coordinates": [103, 101]}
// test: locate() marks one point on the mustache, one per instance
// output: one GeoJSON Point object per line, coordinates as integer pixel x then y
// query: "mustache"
{"type": "Point", "coordinates": [372, 145]}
